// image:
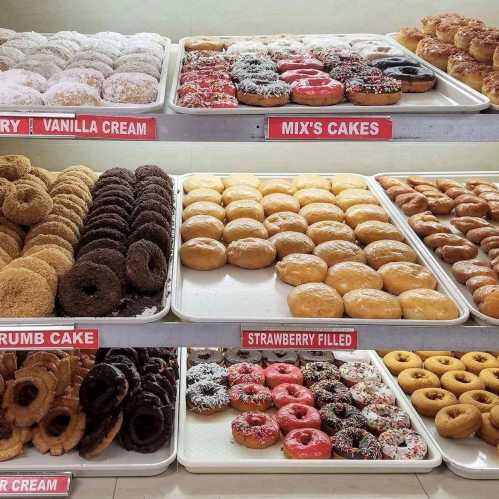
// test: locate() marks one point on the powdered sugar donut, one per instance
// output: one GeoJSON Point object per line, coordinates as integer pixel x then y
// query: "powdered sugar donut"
{"type": "Point", "coordinates": [355, 372]}
{"type": "Point", "coordinates": [73, 36]}
{"type": "Point", "coordinates": [326, 42]}
{"type": "Point", "coordinates": [25, 45]}
{"type": "Point", "coordinates": [92, 55]}
{"type": "Point", "coordinates": [37, 38]}
{"type": "Point", "coordinates": [153, 37]}
{"type": "Point", "coordinates": [12, 94]}
{"type": "Point", "coordinates": [114, 37]}
{"type": "Point", "coordinates": [402, 444]}
{"type": "Point", "coordinates": [72, 93]}
{"type": "Point", "coordinates": [57, 49]}
{"type": "Point", "coordinates": [88, 76]}
{"type": "Point", "coordinates": [24, 78]}
{"type": "Point", "coordinates": [12, 53]}
{"type": "Point", "coordinates": [45, 68]}
{"type": "Point", "coordinates": [371, 392]}
{"type": "Point", "coordinates": [372, 52]}
{"type": "Point", "coordinates": [135, 46]}
{"type": "Point", "coordinates": [382, 417]}
{"type": "Point", "coordinates": [5, 34]}
{"type": "Point", "coordinates": [130, 88]}
{"type": "Point", "coordinates": [138, 67]}
{"type": "Point", "coordinates": [105, 46]}
{"type": "Point", "coordinates": [247, 47]}
{"type": "Point", "coordinates": [6, 63]}
{"type": "Point", "coordinates": [44, 59]}
{"type": "Point", "coordinates": [106, 70]}
{"type": "Point", "coordinates": [139, 57]}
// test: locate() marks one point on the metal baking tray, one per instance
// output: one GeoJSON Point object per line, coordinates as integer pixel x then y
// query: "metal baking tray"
{"type": "Point", "coordinates": [142, 319]}
{"type": "Point", "coordinates": [114, 461]}
{"type": "Point", "coordinates": [469, 458]}
{"type": "Point", "coordinates": [232, 294]}
{"type": "Point", "coordinates": [443, 74]}
{"type": "Point", "coordinates": [206, 446]}
{"type": "Point", "coordinates": [459, 289]}
{"type": "Point", "coordinates": [107, 107]}
{"type": "Point", "coordinates": [446, 97]}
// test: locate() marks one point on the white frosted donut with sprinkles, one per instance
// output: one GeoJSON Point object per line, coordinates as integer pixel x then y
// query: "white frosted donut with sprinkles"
{"type": "Point", "coordinates": [402, 444]}
{"type": "Point", "coordinates": [355, 372]}
{"type": "Point", "coordinates": [371, 392]}
{"type": "Point", "coordinates": [382, 417]}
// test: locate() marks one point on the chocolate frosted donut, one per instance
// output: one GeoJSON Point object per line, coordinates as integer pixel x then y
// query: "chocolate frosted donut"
{"type": "Point", "coordinates": [110, 258]}
{"type": "Point", "coordinates": [315, 356]}
{"type": "Point", "coordinates": [128, 352]}
{"type": "Point", "coordinates": [145, 172]}
{"type": "Point", "coordinates": [146, 266]}
{"type": "Point", "coordinates": [103, 389]}
{"type": "Point", "coordinates": [411, 75]}
{"type": "Point", "coordinates": [236, 356]}
{"type": "Point", "coordinates": [206, 355]}
{"type": "Point", "coordinates": [106, 222]}
{"type": "Point", "coordinates": [390, 62]}
{"type": "Point", "coordinates": [114, 182]}
{"type": "Point", "coordinates": [149, 217]}
{"type": "Point", "coordinates": [109, 191]}
{"type": "Point", "coordinates": [131, 373]}
{"type": "Point", "coordinates": [276, 356]}
{"type": "Point", "coordinates": [100, 432]}
{"type": "Point", "coordinates": [102, 243]}
{"type": "Point", "coordinates": [112, 200]}
{"type": "Point", "coordinates": [152, 206]}
{"type": "Point", "coordinates": [122, 173]}
{"type": "Point", "coordinates": [95, 234]}
{"type": "Point", "coordinates": [338, 416]}
{"type": "Point", "coordinates": [152, 196]}
{"type": "Point", "coordinates": [314, 372]}
{"type": "Point", "coordinates": [326, 392]}
{"type": "Point", "coordinates": [106, 210]}
{"type": "Point", "coordinates": [356, 443]}
{"type": "Point", "coordinates": [151, 382]}
{"type": "Point", "coordinates": [153, 181]}
{"type": "Point", "coordinates": [161, 190]}
{"type": "Point", "coordinates": [154, 233]}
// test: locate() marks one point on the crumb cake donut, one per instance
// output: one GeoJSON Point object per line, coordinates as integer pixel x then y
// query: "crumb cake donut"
{"type": "Point", "coordinates": [130, 88]}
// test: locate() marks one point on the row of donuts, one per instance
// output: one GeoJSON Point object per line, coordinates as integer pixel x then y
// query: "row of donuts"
{"type": "Point", "coordinates": [336, 267]}
{"type": "Point", "coordinates": [322, 411]}
{"type": "Point", "coordinates": [72, 69]}
{"type": "Point", "coordinates": [464, 47]}
{"type": "Point", "coordinates": [460, 390]}
{"type": "Point", "coordinates": [60, 401]}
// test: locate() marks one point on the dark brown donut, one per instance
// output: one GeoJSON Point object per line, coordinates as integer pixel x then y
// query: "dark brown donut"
{"type": "Point", "coordinates": [146, 171]}
{"type": "Point", "coordinates": [110, 258]}
{"type": "Point", "coordinates": [152, 196]}
{"type": "Point", "coordinates": [156, 206]}
{"type": "Point", "coordinates": [146, 266]}
{"type": "Point", "coordinates": [155, 233]}
{"type": "Point", "coordinates": [111, 181]}
{"type": "Point", "coordinates": [113, 200]}
{"type": "Point", "coordinates": [89, 290]}
{"type": "Point", "coordinates": [100, 433]}
{"type": "Point", "coordinates": [141, 184]}
{"type": "Point", "coordinates": [135, 303]}
{"type": "Point", "coordinates": [106, 210]}
{"type": "Point", "coordinates": [106, 222]}
{"type": "Point", "coordinates": [109, 192]}
{"type": "Point", "coordinates": [94, 234]}
{"type": "Point", "coordinates": [156, 189]}
{"type": "Point", "coordinates": [102, 243]}
{"type": "Point", "coordinates": [148, 217]}
{"type": "Point", "coordinates": [122, 173]}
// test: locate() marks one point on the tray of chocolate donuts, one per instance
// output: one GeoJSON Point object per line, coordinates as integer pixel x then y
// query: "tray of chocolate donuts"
{"type": "Point", "coordinates": [309, 73]}
{"type": "Point", "coordinates": [68, 71]}
{"type": "Point", "coordinates": [296, 248]}
{"type": "Point", "coordinates": [455, 215]}
{"type": "Point", "coordinates": [81, 247]}
{"type": "Point", "coordinates": [92, 413]}
{"type": "Point", "coordinates": [456, 397]}
{"type": "Point", "coordinates": [460, 48]}
{"type": "Point", "coordinates": [288, 411]}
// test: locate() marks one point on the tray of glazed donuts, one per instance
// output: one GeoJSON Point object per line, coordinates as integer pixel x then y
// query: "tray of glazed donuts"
{"type": "Point", "coordinates": [70, 71]}
{"type": "Point", "coordinates": [85, 411]}
{"type": "Point", "coordinates": [298, 248]}
{"type": "Point", "coordinates": [456, 215]}
{"type": "Point", "coordinates": [309, 73]}
{"type": "Point", "coordinates": [462, 47]}
{"type": "Point", "coordinates": [287, 411]}
{"type": "Point", "coordinates": [456, 395]}
{"type": "Point", "coordinates": [77, 246]}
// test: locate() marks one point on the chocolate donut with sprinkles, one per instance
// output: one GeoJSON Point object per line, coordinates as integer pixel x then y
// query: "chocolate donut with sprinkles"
{"type": "Point", "coordinates": [369, 91]}
{"type": "Point", "coordinates": [254, 92]}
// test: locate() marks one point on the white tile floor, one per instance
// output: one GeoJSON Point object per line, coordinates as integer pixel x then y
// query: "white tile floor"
{"type": "Point", "coordinates": [179, 484]}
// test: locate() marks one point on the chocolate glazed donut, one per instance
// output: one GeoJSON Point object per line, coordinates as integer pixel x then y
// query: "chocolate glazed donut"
{"type": "Point", "coordinates": [276, 356]}
{"type": "Point", "coordinates": [206, 355]}
{"type": "Point", "coordinates": [415, 79]}
{"type": "Point", "coordinates": [315, 356]}
{"type": "Point", "coordinates": [236, 356]}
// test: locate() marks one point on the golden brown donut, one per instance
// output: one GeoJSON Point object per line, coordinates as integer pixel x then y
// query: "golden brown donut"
{"type": "Point", "coordinates": [347, 276]}
{"type": "Point", "coordinates": [317, 212]}
{"type": "Point", "coordinates": [481, 399]}
{"type": "Point", "coordinates": [360, 213]}
{"type": "Point", "coordinates": [81, 168]}
{"type": "Point", "coordinates": [240, 191]}
{"type": "Point", "coordinates": [275, 203]}
{"type": "Point", "coordinates": [244, 208]}
{"type": "Point", "coordinates": [426, 354]}
{"type": "Point", "coordinates": [440, 364]}
{"type": "Point", "coordinates": [399, 360]}
{"type": "Point", "coordinates": [202, 226]}
{"type": "Point", "coordinates": [313, 195]}
{"type": "Point", "coordinates": [475, 362]}
{"type": "Point", "coordinates": [315, 300]}
{"type": "Point", "coordinates": [203, 181]}
{"type": "Point", "coordinates": [287, 243]}
{"type": "Point", "coordinates": [381, 252]}
{"type": "Point", "coordinates": [465, 34]}
{"type": "Point", "coordinates": [203, 253]}
{"type": "Point", "coordinates": [458, 421]}
{"type": "Point", "coordinates": [6, 258]}
{"type": "Point", "coordinates": [415, 378]}
{"type": "Point", "coordinates": [71, 215]}
{"type": "Point", "coordinates": [251, 253]}
{"type": "Point", "coordinates": [203, 208]}
{"type": "Point", "coordinates": [427, 304]}
{"type": "Point", "coordinates": [14, 166]}
{"type": "Point", "coordinates": [27, 205]}
{"type": "Point", "coordinates": [43, 239]}
{"type": "Point", "coordinates": [490, 378]}
{"type": "Point", "coordinates": [428, 401]}
{"type": "Point", "coordinates": [333, 252]}
{"type": "Point", "coordinates": [202, 194]}
{"type": "Point", "coordinates": [55, 256]}
{"type": "Point", "coordinates": [39, 267]}
{"type": "Point", "coordinates": [416, 180]}
{"type": "Point", "coordinates": [487, 431]}
{"type": "Point", "coordinates": [480, 281]}
{"type": "Point", "coordinates": [311, 182]}
{"type": "Point", "coordinates": [465, 269]}
{"type": "Point", "coordinates": [412, 202]}
{"type": "Point", "coordinates": [242, 228]}
{"type": "Point", "coordinates": [275, 186]}
{"type": "Point", "coordinates": [285, 221]}
{"type": "Point", "coordinates": [352, 197]}
{"type": "Point", "coordinates": [482, 47]}
{"type": "Point", "coordinates": [241, 179]}
{"type": "Point", "coordinates": [329, 230]}
{"type": "Point", "coordinates": [451, 247]}
{"type": "Point", "coordinates": [494, 416]}
{"type": "Point", "coordinates": [459, 382]}
{"type": "Point", "coordinates": [77, 189]}
{"type": "Point", "coordinates": [298, 268]}
{"type": "Point", "coordinates": [343, 181]}
{"type": "Point", "coordinates": [55, 229]}
{"type": "Point", "coordinates": [487, 299]}
{"type": "Point", "coordinates": [373, 230]}
{"type": "Point", "coordinates": [409, 38]}
{"type": "Point", "coordinates": [403, 276]}
{"type": "Point", "coordinates": [371, 304]}
{"type": "Point", "coordinates": [435, 52]}
{"type": "Point", "coordinates": [10, 245]}
{"type": "Point", "coordinates": [426, 223]}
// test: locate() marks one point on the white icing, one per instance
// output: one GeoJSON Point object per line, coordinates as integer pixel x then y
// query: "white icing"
{"type": "Point", "coordinates": [12, 53]}
{"type": "Point", "coordinates": [141, 45]}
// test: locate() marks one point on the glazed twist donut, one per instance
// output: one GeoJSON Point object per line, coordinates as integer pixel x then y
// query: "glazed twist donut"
{"type": "Point", "coordinates": [397, 190]}
{"type": "Point", "coordinates": [439, 203]}
{"type": "Point", "coordinates": [412, 202]}
{"type": "Point", "coordinates": [478, 235]}
{"type": "Point", "coordinates": [481, 188]}
{"type": "Point", "coordinates": [443, 184]}
{"type": "Point", "coordinates": [424, 188]}
{"type": "Point", "coordinates": [426, 223]}
{"type": "Point", "coordinates": [489, 195]}
{"type": "Point", "coordinates": [487, 299]}
{"type": "Point", "coordinates": [470, 205]}
{"type": "Point", "coordinates": [489, 243]}
{"type": "Point", "coordinates": [386, 182]}
{"type": "Point", "coordinates": [454, 192]}
{"type": "Point", "coordinates": [416, 180]}
{"type": "Point", "coordinates": [465, 224]}
{"type": "Point", "coordinates": [450, 247]}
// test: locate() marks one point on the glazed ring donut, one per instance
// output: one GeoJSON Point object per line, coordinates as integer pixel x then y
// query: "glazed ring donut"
{"type": "Point", "coordinates": [488, 432]}
{"type": "Point", "coordinates": [475, 362]}
{"type": "Point", "coordinates": [413, 379]}
{"type": "Point", "coordinates": [398, 360]}
{"type": "Point", "coordinates": [428, 401]}
{"type": "Point", "coordinates": [426, 354]}
{"type": "Point", "coordinates": [458, 421]}
{"type": "Point", "coordinates": [490, 378]}
{"type": "Point", "coordinates": [481, 399]}
{"type": "Point", "coordinates": [440, 364]}
{"type": "Point", "coordinates": [459, 382]}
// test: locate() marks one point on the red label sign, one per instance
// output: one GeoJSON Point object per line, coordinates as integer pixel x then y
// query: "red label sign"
{"type": "Point", "coordinates": [334, 128]}
{"type": "Point", "coordinates": [261, 339]}
{"type": "Point", "coordinates": [29, 339]}
{"type": "Point", "coordinates": [35, 485]}
{"type": "Point", "coordinates": [13, 125]}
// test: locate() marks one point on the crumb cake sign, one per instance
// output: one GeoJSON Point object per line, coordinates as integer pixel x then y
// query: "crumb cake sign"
{"type": "Point", "coordinates": [50, 338]}
{"type": "Point", "coordinates": [50, 485]}
{"type": "Point", "coordinates": [298, 339]}
{"type": "Point", "coordinates": [329, 128]}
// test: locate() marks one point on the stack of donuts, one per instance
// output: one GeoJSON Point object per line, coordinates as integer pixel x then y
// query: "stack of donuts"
{"type": "Point", "coordinates": [464, 47]}
{"type": "Point", "coordinates": [72, 69]}
{"type": "Point", "coordinates": [469, 205]}
{"type": "Point", "coordinates": [308, 70]}
{"type": "Point", "coordinates": [460, 390]}
{"type": "Point", "coordinates": [332, 240]}
{"type": "Point", "coordinates": [322, 410]}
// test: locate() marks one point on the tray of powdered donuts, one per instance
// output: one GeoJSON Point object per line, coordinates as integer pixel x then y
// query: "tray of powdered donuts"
{"type": "Point", "coordinates": [456, 216]}
{"type": "Point", "coordinates": [104, 72]}
{"type": "Point", "coordinates": [300, 248]}
{"type": "Point", "coordinates": [309, 73]}
{"type": "Point", "coordinates": [77, 245]}
{"type": "Point", "coordinates": [84, 411]}
{"type": "Point", "coordinates": [456, 395]}
{"type": "Point", "coordinates": [295, 411]}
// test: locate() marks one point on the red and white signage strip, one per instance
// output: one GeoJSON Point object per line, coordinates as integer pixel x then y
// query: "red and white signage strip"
{"type": "Point", "coordinates": [48, 485]}
{"type": "Point", "coordinates": [298, 339]}
{"type": "Point", "coordinates": [329, 128]}
{"type": "Point", "coordinates": [50, 338]}
{"type": "Point", "coordinates": [14, 126]}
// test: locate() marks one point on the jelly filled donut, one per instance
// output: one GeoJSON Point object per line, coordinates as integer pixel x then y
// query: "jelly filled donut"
{"type": "Point", "coordinates": [205, 355]}
{"type": "Point", "coordinates": [206, 397]}
{"type": "Point", "coordinates": [327, 391]}
{"type": "Point", "coordinates": [415, 79]}
{"type": "Point", "coordinates": [356, 443]}
{"type": "Point", "coordinates": [314, 372]}
{"type": "Point", "coordinates": [236, 356]}
{"type": "Point", "coordinates": [279, 373]}
{"type": "Point", "coordinates": [288, 393]}
{"type": "Point", "coordinates": [245, 373]}
{"type": "Point", "coordinates": [255, 430]}
{"type": "Point", "coordinates": [277, 356]}
{"type": "Point", "coordinates": [250, 397]}
{"type": "Point", "coordinates": [293, 416]}
{"type": "Point", "coordinates": [403, 443]}
{"type": "Point", "coordinates": [338, 416]}
{"type": "Point", "coordinates": [323, 91]}
{"type": "Point", "coordinates": [307, 443]}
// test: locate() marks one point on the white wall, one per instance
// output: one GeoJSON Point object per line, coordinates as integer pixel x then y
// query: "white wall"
{"type": "Point", "coordinates": [216, 17]}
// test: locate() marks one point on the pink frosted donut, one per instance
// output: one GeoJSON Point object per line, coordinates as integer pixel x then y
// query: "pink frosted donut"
{"type": "Point", "coordinates": [317, 91]}
{"type": "Point", "coordinates": [402, 444]}
{"type": "Point", "coordinates": [371, 392]}
{"type": "Point", "coordinates": [250, 397]}
{"type": "Point", "coordinates": [281, 372]}
{"type": "Point", "coordinates": [245, 373]}
{"type": "Point", "coordinates": [289, 393]}
{"type": "Point", "coordinates": [299, 63]}
{"type": "Point", "coordinates": [382, 417]}
{"type": "Point", "coordinates": [300, 74]}
{"type": "Point", "coordinates": [293, 416]}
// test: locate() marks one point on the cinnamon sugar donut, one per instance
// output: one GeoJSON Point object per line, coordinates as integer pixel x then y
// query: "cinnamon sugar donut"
{"type": "Point", "coordinates": [38, 266]}
{"type": "Point", "coordinates": [55, 257]}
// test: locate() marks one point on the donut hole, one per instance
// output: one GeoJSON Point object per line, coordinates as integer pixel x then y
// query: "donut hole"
{"type": "Point", "coordinates": [58, 424]}
{"type": "Point", "coordinates": [292, 391]}
{"type": "Point", "coordinates": [245, 370]}
{"type": "Point", "coordinates": [402, 358]}
{"type": "Point", "coordinates": [495, 374]}
{"type": "Point", "coordinates": [444, 362]}
{"type": "Point", "coordinates": [208, 390]}
{"type": "Point", "coordinates": [250, 390]}
{"type": "Point", "coordinates": [143, 424]}
{"type": "Point", "coordinates": [283, 369]}
{"type": "Point", "coordinates": [419, 375]}
{"type": "Point", "coordinates": [434, 396]}
{"type": "Point", "coordinates": [305, 438]}
{"type": "Point", "coordinates": [25, 394]}
{"type": "Point", "coordinates": [454, 413]}
{"type": "Point", "coordinates": [482, 398]}
{"type": "Point", "coordinates": [480, 358]}
{"type": "Point", "coordinates": [89, 289]}
{"type": "Point", "coordinates": [255, 420]}
{"type": "Point", "coordinates": [462, 378]}
{"type": "Point", "coordinates": [299, 412]}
